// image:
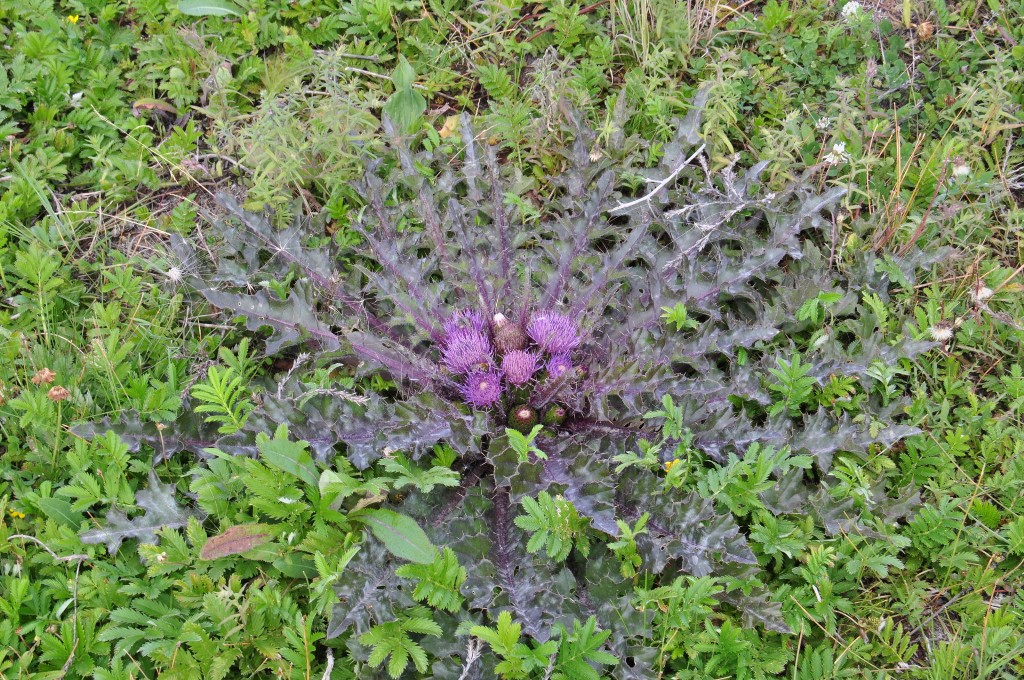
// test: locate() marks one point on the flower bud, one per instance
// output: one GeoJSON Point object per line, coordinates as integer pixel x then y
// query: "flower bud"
{"type": "Point", "coordinates": [554, 416]}
{"type": "Point", "coordinates": [508, 336]}
{"type": "Point", "coordinates": [522, 417]}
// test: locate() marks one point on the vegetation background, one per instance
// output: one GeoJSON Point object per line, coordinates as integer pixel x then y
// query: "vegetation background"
{"type": "Point", "coordinates": [119, 122]}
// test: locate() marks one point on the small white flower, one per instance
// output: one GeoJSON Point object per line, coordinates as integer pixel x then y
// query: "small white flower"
{"type": "Point", "coordinates": [961, 170]}
{"type": "Point", "coordinates": [175, 275]}
{"type": "Point", "coordinates": [941, 332]}
{"type": "Point", "coordinates": [837, 154]}
{"type": "Point", "coordinates": [851, 9]}
{"type": "Point", "coordinates": [824, 123]}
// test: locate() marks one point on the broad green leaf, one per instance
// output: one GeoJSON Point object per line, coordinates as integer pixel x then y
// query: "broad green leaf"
{"type": "Point", "coordinates": [405, 107]}
{"type": "Point", "coordinates": [400, 535]}
{"type": "Point", "coordinates": [209, 8]}
{"type": "Point", "coordinates": [294, 565]}
{"type": "Point", "coordinates": [59, 510]}
{"type": "Point", "coordinates": [288, 456]}
{"type": "Point", "coordinates": [404, 75]}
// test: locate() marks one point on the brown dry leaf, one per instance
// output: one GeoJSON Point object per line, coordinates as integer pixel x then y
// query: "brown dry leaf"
{"type": "Point", "coordinates": [370, 500]}
{"type": "Point", "coordinates": [235, 541]}
{"type": "Point", "coordinates": [449, 127]}
{"type": "Point", "coordinates": [154, 105]}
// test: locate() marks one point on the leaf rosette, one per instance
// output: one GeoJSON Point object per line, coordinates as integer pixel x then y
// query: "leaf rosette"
{"type": "Point", "coordinates": [470, 316]}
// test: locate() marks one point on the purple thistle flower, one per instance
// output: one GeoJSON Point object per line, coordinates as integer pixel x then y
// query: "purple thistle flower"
{"type": "Point", "coordinates": [554, 333]}
{"type": "Point", "coordinates": [519, 366]}
{"type": "Point", "coordinates": [559, 365]}
{"type": "Point", "coordinates": [466, 349]}
{"type": "Point", "coordinates": [482, 389]}
{"type": "Point", "coordinates": [466, 319]}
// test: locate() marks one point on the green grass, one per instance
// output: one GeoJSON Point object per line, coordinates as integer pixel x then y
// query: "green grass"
{"type": "Point", "coordinates": [120, 121]}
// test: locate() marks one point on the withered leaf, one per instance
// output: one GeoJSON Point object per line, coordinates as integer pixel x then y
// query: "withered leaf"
{"type": "Point", "coordinates": [235, 541]}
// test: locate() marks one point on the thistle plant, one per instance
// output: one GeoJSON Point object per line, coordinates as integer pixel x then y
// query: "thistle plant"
{"type": "Point", "coordinates": [478, 325]}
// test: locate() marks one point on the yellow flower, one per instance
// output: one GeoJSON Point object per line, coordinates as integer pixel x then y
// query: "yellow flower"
{"type": "Point", "coordinates": [73, 18]}
{"type": "Point", "coordinates": [669, 465]}
{"type": "Point", "coordinates": [16, 515]}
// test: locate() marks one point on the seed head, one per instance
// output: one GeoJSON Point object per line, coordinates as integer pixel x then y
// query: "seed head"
{"type": "Point", "coordinates": [941, 332]}
{"type": "Point", "coordinates": [982, 294]}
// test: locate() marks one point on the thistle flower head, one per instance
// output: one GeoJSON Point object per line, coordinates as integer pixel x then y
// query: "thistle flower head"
{"type": "Point", "coordinates": [519, 366]}
{"type": "Point", "coordinates": [466, 349]}
{"type": "Point", "coordinates": [559, 365]}
{"type": "Point", "coordinates": [482, 389]}
{"type": "Point", "coordinates": [554, 333]}
{"type": "Point", "coordinates": [465, 319]}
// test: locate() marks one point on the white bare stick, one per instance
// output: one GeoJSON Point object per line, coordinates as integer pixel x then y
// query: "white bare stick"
{"type": "Point", "coordinates": [472, 654]}
{"type": "Point", "coordinates": [661, 185]}
{"type": "Point", "coordinates": [330, 665]}
{"type": "Point", "coordinates": [69, 558]}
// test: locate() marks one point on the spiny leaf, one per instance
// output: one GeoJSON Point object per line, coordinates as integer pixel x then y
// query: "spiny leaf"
{"type": "Point", "coordinates": [290, 320]}
{"type": "Point", "coordinates": [162, 512]}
